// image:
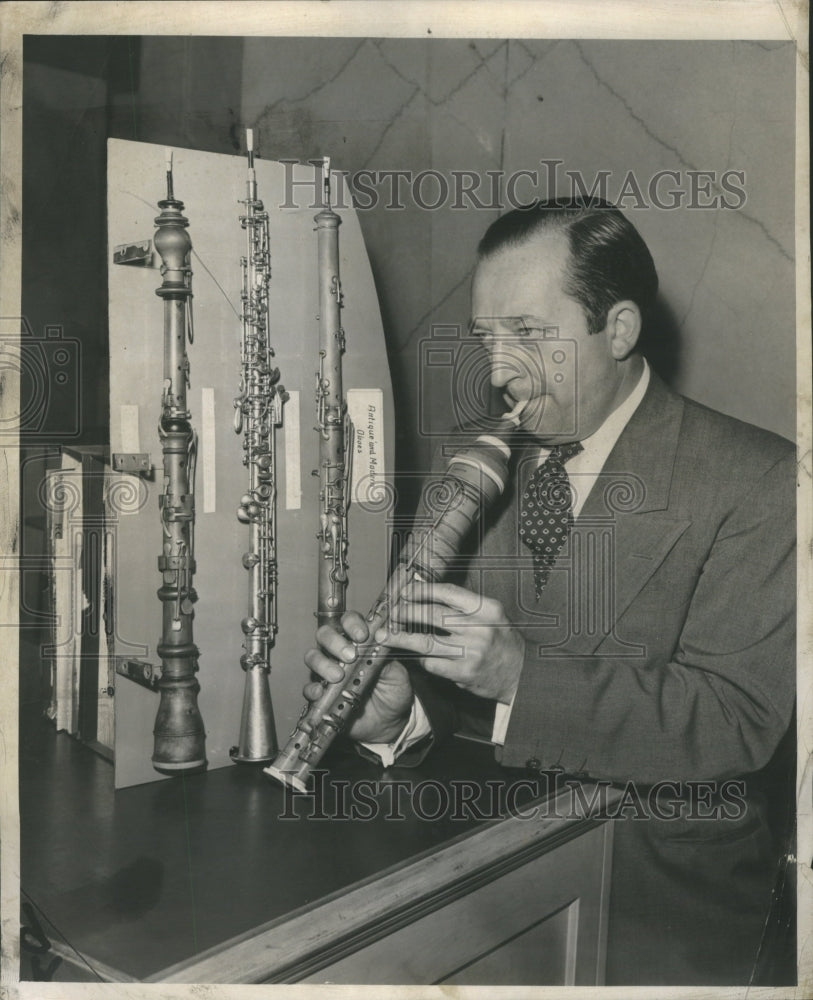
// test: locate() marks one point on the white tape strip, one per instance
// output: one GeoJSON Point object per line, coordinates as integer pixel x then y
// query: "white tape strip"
{"type": "Point", "coordinates": [366, 410]}
{"type": "Point", "coordinates": [293, 461]}
{"type": "Point", "coordinates": [128, 431]}
{"type": "Point", "coordinates": [207, 450]}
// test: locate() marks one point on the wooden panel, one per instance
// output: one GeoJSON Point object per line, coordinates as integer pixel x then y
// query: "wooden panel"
{"type": "Point", "coordinates": [363, 926]}
{"type": "Point", "coordinates": [211, 186]}
{"type": "Point", "coordinates": [543, 955]}
{"type": "Point", "coordinates": [538, 925]}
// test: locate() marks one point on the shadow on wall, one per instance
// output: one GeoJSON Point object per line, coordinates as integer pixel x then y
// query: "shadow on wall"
{"type": "Point", "coordinates": [661, 341]}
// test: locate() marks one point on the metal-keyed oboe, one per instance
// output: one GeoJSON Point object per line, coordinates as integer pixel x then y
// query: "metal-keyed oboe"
{"type": "Point", "coordinates": [179, 733]}
{"type": "Point", "coordinates": [474, 478]}
{"type": "Point", "coordinates": [335, 438]}
{"type": "Point", "coordinates": [257, 413]}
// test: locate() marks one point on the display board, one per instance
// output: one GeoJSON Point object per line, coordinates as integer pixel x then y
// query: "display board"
{"type": "Point", "coordinates": [211, 187]}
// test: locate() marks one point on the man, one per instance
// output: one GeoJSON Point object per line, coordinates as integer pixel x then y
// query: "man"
{"type": "Point", "coordinates": [654, 642]}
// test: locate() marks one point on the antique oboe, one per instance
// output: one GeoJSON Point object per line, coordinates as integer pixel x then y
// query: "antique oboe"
{"type": "Point", "coordinates": [179, 733]}
{"type": "Point", "coordinates": [474, 478]}
{"type": "Point", "coordinates": [257, 413]}
{"type": "Point", "coordinates": [335, 438]}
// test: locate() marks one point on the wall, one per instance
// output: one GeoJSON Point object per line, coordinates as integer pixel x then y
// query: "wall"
{"type": "Point", "coordinates": [726, 330]}
{"type": "Point", "coordinates": [725, 333]}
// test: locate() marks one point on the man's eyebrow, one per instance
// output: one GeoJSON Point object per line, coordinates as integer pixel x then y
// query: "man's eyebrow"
{"type": "Point", "coordinates": [517, 323]}
{"type": "Point", "coordinates": [530, 321]}
{"type": "Point", "coordinates": [478, 324]}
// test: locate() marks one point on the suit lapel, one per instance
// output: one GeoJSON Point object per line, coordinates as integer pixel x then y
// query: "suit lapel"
{"type": "Point", "coordinates": [623, 533]}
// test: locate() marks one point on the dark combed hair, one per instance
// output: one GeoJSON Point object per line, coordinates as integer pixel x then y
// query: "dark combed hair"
{"type": "Point", "coordinates": [608, 260]}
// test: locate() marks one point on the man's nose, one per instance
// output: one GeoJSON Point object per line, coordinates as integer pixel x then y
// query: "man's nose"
{"type": "Point", "coordinates": [504, 366]}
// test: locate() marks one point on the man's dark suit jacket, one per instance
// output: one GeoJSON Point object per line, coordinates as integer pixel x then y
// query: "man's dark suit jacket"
{"type": "Point", "coordinates": [663, 650]}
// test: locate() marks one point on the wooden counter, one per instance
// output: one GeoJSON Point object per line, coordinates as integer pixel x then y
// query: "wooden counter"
{"type": "Point", "coordinates": [224, 877]}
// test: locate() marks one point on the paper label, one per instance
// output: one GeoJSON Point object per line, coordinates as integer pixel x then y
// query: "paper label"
{"type": "Point", "coordinates": [366, 410]}
{"type": "Point", "coordinates": [293, 464]}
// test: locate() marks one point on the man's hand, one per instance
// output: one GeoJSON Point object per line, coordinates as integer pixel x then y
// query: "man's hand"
{"type": "Point", "coordinates": [477, 647]}
{"type": "Point", "coordinates": [385, 710]}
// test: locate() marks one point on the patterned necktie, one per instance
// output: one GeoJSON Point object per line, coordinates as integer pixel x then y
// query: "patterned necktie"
{"type": "Point", "coordinates": [546, 514]}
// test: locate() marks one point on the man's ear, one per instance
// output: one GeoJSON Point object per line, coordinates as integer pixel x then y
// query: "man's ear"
{"type": "Point", "coordinates": [623, 328]}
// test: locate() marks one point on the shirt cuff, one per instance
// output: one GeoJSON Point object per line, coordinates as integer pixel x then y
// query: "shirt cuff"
{"type": "Point", "coordinates": [502, 716]}
{"type": "Point", "coordinates": [416, 728]}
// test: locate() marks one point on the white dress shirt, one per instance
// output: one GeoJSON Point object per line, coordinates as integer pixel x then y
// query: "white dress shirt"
{"type": "Point", "coordinates": [583, 470]}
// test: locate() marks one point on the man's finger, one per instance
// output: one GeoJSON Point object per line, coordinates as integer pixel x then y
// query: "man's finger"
{"type": "Point", "coordinates": [423, 644]}
{"type": "Point", "coordinates": [455, 598]}
{"type": "Point", "coordinates": [313, 691]}
{"type": "Point", "coordinates": [415, 616]}
{"type": "Point", "coordinates": [355, 626]}
{"type": "Point", "coordinates": [324, 666]}
{"type": "Point", "coordinates": [335, 644]}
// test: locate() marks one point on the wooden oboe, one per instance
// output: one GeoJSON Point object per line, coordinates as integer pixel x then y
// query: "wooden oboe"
{"type": "Point", "coordinates": [257, 414]}
{"type": "Point", "coordinates": [474, 478]}
{"type": "Point", "coordinates": [179, 733]}
{"type": "Point", "coordinates": [335, 439]}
